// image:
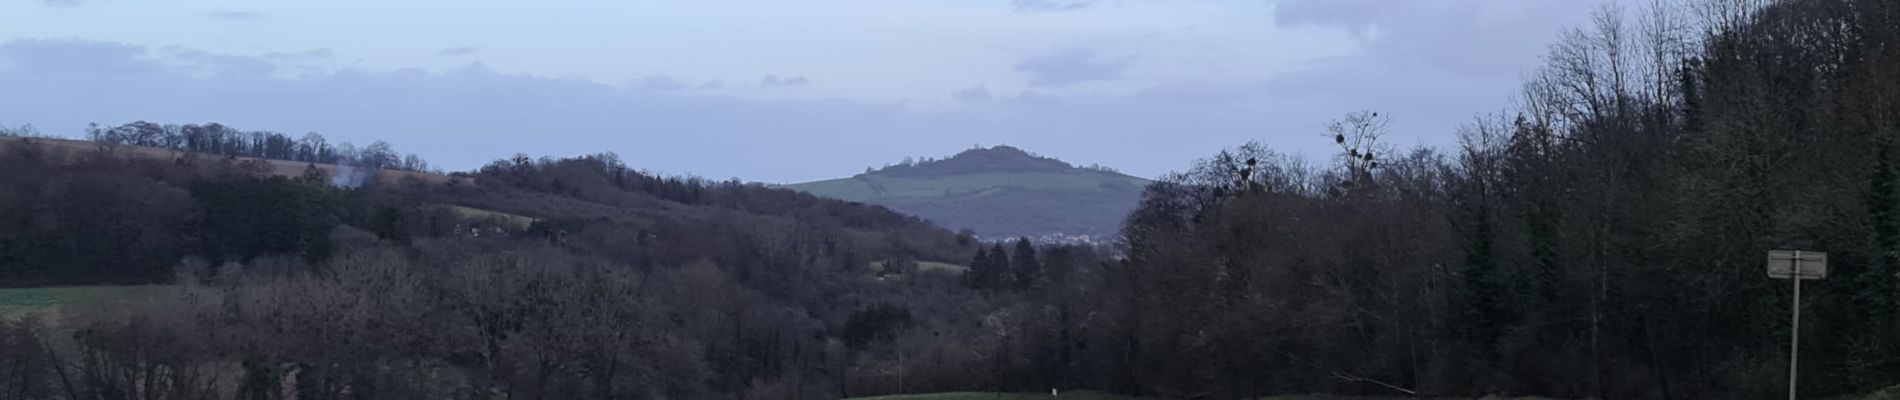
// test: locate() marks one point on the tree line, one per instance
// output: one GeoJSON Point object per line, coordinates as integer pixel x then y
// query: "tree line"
{"type": "Point", "coordinates": [1603, 239]}
{"type": "Point", "coordinates": [215, 138]}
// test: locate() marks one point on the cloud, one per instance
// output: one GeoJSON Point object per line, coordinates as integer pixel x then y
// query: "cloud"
{"type": "Point", "coordinates": [60, 57]}
{"type": "Point", "coordinates": [312, 55]}
{"type": "Point", "coordinates": [457, 51]}
{"type": "Point", "coordinates": [1478, 38]}
{"type": "Point", "coordinates": [235, 15]}
{"type": "Point", "coordinates": [52, 57]}
{"type": "Point", "coordinates": [1069, 66]}
{"type": "Point", "coordinates": [972, 95]}
{"type": "Point", "coordinates": [1351, 14]}
{"type": "Point", "coordinates": [62, 3]}
{"type": "Point", "coordinates": [1048, 6]}
{"type": "Point", "coordinates": [458, 117]}
{"type": "Point", "coordinates": [711, 85]}
{"type": "Point", "coordinates": [1196, 93]}
{"type": "Point", "coordinates": [773, 81]}
{"type": "Point", "coordinates": [478, 110]}
{"type": "Point", "coordinates": [659, 83]}
{"type": "Point", "coordinates": [219, 64]}
{"type": "Point", "coordinates": [1433, 65]}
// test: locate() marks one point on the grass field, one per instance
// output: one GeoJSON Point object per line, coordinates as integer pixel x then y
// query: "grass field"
{"type": "Point", "coordinates": [872, 187]}
{"type": "Point", "coordinates": [516, 221]}
{"type": "Point", "coordinates": [17, 302]}
{"type": "Point", "coordinates": [1891, 393]}
{"type": "Point", "coordinates": [1077, 395]}
{"type": "Point", "coordinates": [1089, 395]}
{"type": "Point", "coordinates": [878, 266]}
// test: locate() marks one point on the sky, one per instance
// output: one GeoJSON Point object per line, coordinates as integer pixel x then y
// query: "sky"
{"type": "Point", "coordinates": [779, 91]}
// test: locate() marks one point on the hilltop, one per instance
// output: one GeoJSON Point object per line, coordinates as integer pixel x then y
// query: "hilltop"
{"type": "Point", "coordinates": [277, 167]}
{"type": "Point", "coordinates": [999, 191]}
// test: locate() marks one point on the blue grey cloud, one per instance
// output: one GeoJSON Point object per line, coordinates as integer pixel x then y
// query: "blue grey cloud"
{"type": "Point", "coordinates": [658, 83]}
{"type": "Point", "coordinates": [1477, 38]}
{"type": "Point", "coordinates": [219, 64]}
{"type": "Point", "coordinates": [773, 81]}
{"type": "Point", "coordinates": [489, 114]}
{"type": "Point", "coordinates": [457, 51]}
{"type": "Point", "coordinates": [235, 15]}
{"type": "Point", "coordinates": [972, 95]}
{"type": "Point", "coordinates": [58, 57]}
{"type": "Point", "coordinates": [60, 86]}
{"type": "Point", "coordinates": [1045, 6]}
{"type": "Point", "coordinates": [1073, 65]}
{"type": "Point", "coordinates": [1353, 14]}
{"type": "Point", "coordinates": [312, 55]}
{"type": "Point", "coordinates": [1197, 93]}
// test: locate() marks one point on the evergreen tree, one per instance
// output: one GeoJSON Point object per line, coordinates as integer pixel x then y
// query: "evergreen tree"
{"type": "Point", "coordinates": [1023, 266]}
{"type": "Point", "coordinates": [312, 175]}
{"type": "Point", "coordinates": [999, 266]}
{"type": "Point", "coordinates": [979, 271]}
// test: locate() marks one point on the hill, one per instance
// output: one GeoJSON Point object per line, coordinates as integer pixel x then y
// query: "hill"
{"type": "Point", "coordinates": [477, 272]}
{"type": "Point", "coordinates": [999, 191]}
{"type": "Point", "coordinates": [285, 168]}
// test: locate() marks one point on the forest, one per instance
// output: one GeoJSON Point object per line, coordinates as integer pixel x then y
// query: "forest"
{"type": "Point", "coordinates": [1604, 238]}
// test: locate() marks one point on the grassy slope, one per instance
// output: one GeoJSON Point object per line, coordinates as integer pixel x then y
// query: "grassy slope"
{"type": "Point", "coordinates": [514, 220]}
{"type": "Point", "coordinates": [1891, 393]}
{"type": "Point", "coordinates": [1077, 395]}
{"type": "Point", "coordinates": [873, 188]}
{"type": "Point", "coordinates": [22, 301]}
{"type": "Point", "coordinates": [878, 266]}
{"type": "Point", "coordinates": [1088, 395]}
{"type": "Point", "coordinates": [999, 204]}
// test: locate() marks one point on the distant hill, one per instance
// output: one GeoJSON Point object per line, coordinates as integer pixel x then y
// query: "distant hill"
{"type": "Point", "coordinates": [997, 192]}
{"type": "Point", "coordinates": [275, 166]}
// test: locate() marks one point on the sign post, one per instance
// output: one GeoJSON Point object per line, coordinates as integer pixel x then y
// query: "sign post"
{"type": "Point", "coordinates": [1797, 266]}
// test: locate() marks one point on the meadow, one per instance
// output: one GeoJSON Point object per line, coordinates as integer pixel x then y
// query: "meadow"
{"type": "Point", "coordinates": [19, 302]}
{"type": "Point", "coordinates": [865, 188]}
{"type": "Point", "coordinates": [1076, 395]}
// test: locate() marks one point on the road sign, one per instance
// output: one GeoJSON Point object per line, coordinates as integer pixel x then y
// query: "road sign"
{"type": "Point", "coordinates": [1782, 264]}
{"type": "Point", "coordinates": [1797, 266]}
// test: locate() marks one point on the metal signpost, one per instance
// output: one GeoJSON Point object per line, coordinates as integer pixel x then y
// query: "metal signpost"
{"type": "Point", "coordinates": [1796, 265]}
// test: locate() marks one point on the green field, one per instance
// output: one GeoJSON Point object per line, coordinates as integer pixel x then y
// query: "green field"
{"type": "Point", "coordinates": [872, 187]}
{"type": "Point", "coordinates": [1090, 395]}
{"type": "Point", "coordinates": [999, 204]}
{"type": "Point", "coordinates": [16, 302]}
{"type": "Point", "coordinates": [1892, 393]}
{"type": "Point", "coordinates": [514, 221]}
{"type": "Point", "coordinates": [878, 266]}
{"type": "Point", "coordinates": [1076, 395]}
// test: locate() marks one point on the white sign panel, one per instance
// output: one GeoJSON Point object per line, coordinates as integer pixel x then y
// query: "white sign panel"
{"type": "Point", "coordinates": [1782, 264]}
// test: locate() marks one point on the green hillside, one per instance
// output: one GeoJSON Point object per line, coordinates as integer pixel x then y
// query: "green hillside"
{"type": "Point", "coordinates": [1000, 191]}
